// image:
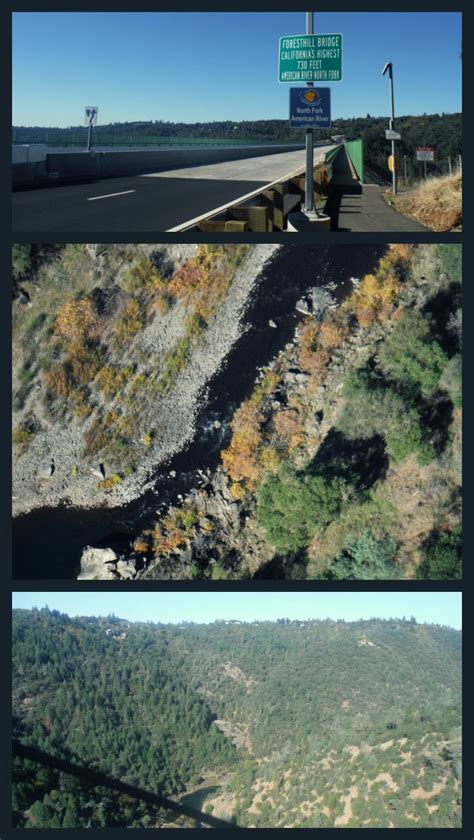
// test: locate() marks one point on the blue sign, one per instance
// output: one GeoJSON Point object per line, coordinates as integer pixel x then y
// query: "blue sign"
{"type": "Point", "coordinates": [310, 107]}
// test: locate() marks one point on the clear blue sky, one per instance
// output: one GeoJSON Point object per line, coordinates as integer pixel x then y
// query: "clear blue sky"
{"type": "Point", "coordinates": [206, 66]}
{"type": "Point", "coordinates": [430, 607]}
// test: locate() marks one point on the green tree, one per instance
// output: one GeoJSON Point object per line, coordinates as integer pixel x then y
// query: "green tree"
{"type": "Point", "coordinates": [21, 261]}
{"type": "Point", "coordinates": [291, 507]}
{"type": "Point", "coordinates": [451, 261]}
{"type": "Point", "coordinates": [443, 557]}
{"type": "Point", "coordinates": [411, 357]}
{"type": "Point", "coordinates": [404, 436]}
{"type": "Point", "coordinates": [451, 380]}
{"type": "Point", "coordinates": [366, 558]}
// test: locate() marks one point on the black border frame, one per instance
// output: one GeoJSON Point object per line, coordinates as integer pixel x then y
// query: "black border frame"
{"type": "Point", "coordinates": [7, 238]}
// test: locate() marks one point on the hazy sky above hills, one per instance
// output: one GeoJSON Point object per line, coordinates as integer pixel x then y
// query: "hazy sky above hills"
{"type": "Point", "coordinates": [429, 607]}
{"type": "Point", "coordinates": [201, 66]}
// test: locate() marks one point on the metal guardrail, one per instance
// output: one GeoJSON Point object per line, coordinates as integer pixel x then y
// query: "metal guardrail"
{"type": "Point", "coordinates": [95, 778]}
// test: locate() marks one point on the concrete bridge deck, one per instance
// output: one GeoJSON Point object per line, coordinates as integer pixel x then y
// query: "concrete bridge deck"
{"type": "Point", "coordinates": [149, 202]}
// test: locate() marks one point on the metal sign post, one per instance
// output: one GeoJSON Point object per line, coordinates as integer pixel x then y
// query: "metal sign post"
{"type": "Point", "coordinates": [425, 153]}
{"type": "Point", "coordinates": [309, 198]}
{"type": "Point", "coordinates": [389, 67]}
{"type": "Point", "coordinates": [90, 119]}
{"type": "Point", "coordinates": [89, 137]}
{"type": "Point", "coordinates": [310, 59]}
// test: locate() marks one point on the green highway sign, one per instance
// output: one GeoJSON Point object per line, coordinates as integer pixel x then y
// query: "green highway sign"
{"type": "Point", "coordinates": [310, 58]}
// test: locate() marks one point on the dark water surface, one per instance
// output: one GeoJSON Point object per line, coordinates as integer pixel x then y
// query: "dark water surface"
{"type": "Point", "coordinates": [48, 542]}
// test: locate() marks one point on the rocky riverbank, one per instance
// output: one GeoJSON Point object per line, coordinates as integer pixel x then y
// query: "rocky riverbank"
{"type": "Point", "coordinates": [225, 534]}
{"type": "Point", "coordinates": [53, 469]}
{"type": "Point", "coordinates": [213, 530]}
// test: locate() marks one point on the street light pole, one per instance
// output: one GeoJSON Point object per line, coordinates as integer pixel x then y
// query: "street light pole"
{"type": "Point", "coordinates": [389, 67]}
{"type": "Point", "coordinates": [309, 200]}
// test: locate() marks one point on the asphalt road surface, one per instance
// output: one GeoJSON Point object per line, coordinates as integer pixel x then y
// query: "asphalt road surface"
{"type": "Point", "coordinates": [157, 201]}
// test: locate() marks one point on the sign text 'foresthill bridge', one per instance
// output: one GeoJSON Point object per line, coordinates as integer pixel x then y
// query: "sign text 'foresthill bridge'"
{"type": "Point", "coordinates": [310, 58]}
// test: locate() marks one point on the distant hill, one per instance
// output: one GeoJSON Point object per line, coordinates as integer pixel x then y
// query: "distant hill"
{"type": "Point", "coordinates": [314, 723]}
{"type": "Point", "coordinates": [443, 131]}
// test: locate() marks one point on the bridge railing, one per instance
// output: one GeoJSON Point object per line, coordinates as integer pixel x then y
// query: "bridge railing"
{"type": "Point", "coordinates": [355, 150]}
{"type": "Point", "coordinates": [78, 139]}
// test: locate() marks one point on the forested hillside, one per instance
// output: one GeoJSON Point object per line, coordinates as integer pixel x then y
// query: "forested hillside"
{"type": "Point", "coordinates": [443, 131]}
{"type": "Point", "coordinates": [315, 723]}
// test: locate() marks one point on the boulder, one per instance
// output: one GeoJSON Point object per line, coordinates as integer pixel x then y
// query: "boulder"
{"type": "Point", "coordinates": [302, 306]}
{"type": "Point", "coordinates": [98, 564]}
{"type": "Point", "coordinates": [126, 569]}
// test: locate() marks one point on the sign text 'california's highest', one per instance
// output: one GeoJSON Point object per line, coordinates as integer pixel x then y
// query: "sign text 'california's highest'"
{"type": "Point", "coordinates": [310, 58]}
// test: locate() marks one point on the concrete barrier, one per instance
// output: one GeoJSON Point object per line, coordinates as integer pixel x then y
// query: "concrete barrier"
{"type": "Point", "coordinates": [29, 173]}
{"type": "Point", "coordinates": [25, 153]}
{"type": "Point", "coordinates": [67, 166]}
{"type": "Point", "coordinates": [114, 164]}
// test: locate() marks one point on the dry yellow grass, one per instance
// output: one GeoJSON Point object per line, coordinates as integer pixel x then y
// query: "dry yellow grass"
{"type": "Point", "coordinates": [436, 202]}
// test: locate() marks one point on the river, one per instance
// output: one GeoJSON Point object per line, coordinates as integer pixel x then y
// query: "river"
{"type": "Point", "coordinates": [48, 542]}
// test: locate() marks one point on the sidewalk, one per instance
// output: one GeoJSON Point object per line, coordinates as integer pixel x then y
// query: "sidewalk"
{"type": "Point", "coordinates": [366, 210]}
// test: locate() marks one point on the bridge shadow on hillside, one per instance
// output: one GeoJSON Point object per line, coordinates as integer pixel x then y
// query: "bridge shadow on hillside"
{"type": "Point", "coordinates": [442, 309]}
{"type": "Point", "coordinates": [95, 778]}
{"type": "Point", "coordinates": [284, 567]}
{"type": "Point", "coordinates": [361, 462]}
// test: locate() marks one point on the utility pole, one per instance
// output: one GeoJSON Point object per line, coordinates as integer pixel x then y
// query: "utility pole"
{"type": "Point", "coordinates": [449, 164]}
{"type": "Point", "coordinates": [405, 168]}
{"type": "Point", "coordinates": [389, 67]}
{"type": "Point", "coordinates": [309, 185]}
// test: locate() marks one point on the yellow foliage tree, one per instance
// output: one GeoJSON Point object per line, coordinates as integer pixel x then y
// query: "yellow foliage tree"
{"type": "Point", "coordinates": [375, 297]}
{"type": "Point", "coordinates": [400, 251]}
{"type": "Point", "coordinates": [269, 459]}
{"type": "Point", "coordinates": [76, 321]}
{"type": "Point", "coordinates": [130, 321]}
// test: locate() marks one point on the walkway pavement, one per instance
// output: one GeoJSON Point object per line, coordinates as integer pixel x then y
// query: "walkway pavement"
{"type": "Point", "coordinates": [369, 212]}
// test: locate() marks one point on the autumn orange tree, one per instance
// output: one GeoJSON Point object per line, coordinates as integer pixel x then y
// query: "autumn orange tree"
{"type": "Point", "coordinates": [287, 426]}
{"type": "Point", "coordinates": [173, 531]}
{"type": "Point", "coordinates": [240, 459]}
{"type": "Point", "coordinates": [317, 341]}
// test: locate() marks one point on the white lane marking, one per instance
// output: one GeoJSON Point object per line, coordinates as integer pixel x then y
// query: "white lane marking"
{"type": "Point", "coordinates": [235, 201]}
{"type": "Point", "coordinates": [110, 195]}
